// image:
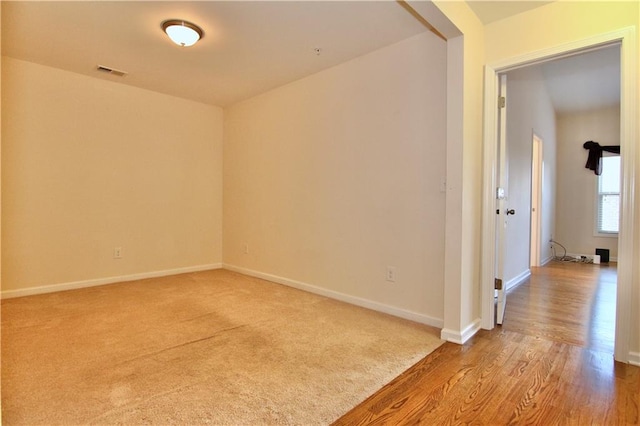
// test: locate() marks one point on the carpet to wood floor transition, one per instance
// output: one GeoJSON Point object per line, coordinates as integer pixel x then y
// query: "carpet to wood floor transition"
{"type": "Point", "coordinates": [212, 347]}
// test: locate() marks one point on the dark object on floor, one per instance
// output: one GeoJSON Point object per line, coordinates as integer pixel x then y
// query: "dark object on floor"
{"type": "Point", "coordinates": [604, 255]}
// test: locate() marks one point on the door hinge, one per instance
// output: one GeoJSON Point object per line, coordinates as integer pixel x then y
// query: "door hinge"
{"type": "Point", "coordinates": [502, 102]}
{"type": "Point", "coordinates": [498, 284]}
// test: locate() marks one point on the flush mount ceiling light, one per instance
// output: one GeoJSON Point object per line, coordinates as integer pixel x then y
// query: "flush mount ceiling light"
{"type": "Point", "coordinates": [181, 32]}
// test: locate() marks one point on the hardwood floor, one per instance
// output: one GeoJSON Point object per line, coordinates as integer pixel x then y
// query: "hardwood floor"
{"type": "Point", "coordinates": [551, 363]}
{"type": "Point", "coordinates": [567, 302]}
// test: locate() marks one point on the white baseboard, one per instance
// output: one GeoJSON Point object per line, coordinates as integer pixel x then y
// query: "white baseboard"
{"type": "Point", "coordinates": [634, 358]}
{"type": "Point", "coordinates": [547, 260]}
{"type": "Point", "coordinates": [8, 294]}
{"type": "Point", "coordinates": [358, 301]}
{"type": "Point", "coordinates": [519, 279]}
{"type": "Point", "coordinates": [460, 337]}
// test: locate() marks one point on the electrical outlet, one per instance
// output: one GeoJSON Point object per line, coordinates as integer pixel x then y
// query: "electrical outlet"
{"type": "Point", "coordinates": [246, 248]}
{"type": "Point", "coordinates": [117, 253]}
{"type": "Point", "coordinates": [391, 274]}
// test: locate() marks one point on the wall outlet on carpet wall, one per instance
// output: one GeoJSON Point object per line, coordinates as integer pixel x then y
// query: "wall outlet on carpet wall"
{"type": "Point", "coordinates": [117, 253]}
{"type": "Point", "coordinates": [391, 274]}
{"type": "Point", "coordinates": [245, 248]}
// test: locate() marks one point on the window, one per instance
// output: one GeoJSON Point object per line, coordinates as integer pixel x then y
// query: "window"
{"type": "Point", "coordinates": [608, 213]}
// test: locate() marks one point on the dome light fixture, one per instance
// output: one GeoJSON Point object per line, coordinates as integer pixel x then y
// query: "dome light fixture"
{"type": "Point", "coordinates": [181, 32]}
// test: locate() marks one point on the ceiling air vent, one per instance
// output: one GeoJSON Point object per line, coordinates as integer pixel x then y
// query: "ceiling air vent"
{"type": "Point", "coordinates": [112, 71]}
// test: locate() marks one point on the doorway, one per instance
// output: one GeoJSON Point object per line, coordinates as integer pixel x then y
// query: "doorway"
{"type": "Point", "coordinates": [628, 122]}
{"type": "Point", "coordinates": [562, 100]}
{"type": "Point", "coordinates": [537, 174]}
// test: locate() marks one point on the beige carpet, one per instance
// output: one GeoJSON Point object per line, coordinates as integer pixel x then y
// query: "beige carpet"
{"type": "Point", "coordinates": [211, 347]}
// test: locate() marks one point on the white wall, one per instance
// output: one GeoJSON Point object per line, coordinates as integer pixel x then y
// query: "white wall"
{"type": "Point", "coordinates": [89, 165]}
{"type": "Point", "coordinates": [465, 56]}
{"type": "Point", "coordinates": [332, 178]}
{"type": "Point", "coordinates": [529, 111]}
{"type": "Point", "coordinates": [577, 185]}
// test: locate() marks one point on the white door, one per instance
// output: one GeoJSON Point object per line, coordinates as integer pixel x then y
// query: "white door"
{"type": "Point", "coordinates": [502, 196]}
{"type": "Point", "coordinates": [536, 199]}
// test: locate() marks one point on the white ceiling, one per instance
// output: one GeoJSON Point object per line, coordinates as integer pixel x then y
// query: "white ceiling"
{"type": "Point", "coordinates": [491, 11]}
{"type": "Point", "coordinates": [582, 82]}
{"type": "Point", "coordinates": [250, 47]}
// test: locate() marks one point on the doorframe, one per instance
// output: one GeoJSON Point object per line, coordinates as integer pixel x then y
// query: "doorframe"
{"type": "Point", "coordinates": [535, 217]}
{"type": "Point", "coordinates": [626, 38]}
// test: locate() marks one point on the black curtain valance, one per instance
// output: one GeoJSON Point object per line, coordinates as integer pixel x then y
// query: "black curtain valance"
{"type": "Point", "coordinates": [594, 161]}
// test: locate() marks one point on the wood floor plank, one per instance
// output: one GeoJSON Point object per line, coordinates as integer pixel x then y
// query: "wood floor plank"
{"type": "Point", "coordinates": [537, 404]}
{"type": "Point", "coordinates": [551, 363]}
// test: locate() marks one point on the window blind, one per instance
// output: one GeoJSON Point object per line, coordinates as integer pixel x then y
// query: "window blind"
{"type": "Point", "coordinates": [608, 210]}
